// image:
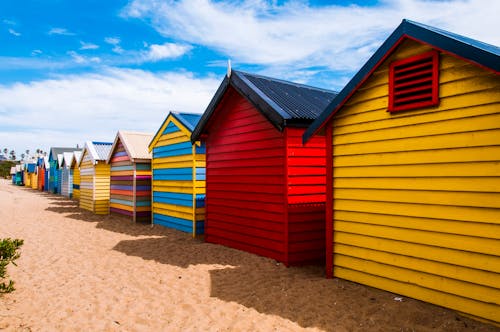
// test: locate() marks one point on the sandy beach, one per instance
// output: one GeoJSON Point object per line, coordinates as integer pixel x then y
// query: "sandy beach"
{"type": "Point", "coordinates": [82, 272]}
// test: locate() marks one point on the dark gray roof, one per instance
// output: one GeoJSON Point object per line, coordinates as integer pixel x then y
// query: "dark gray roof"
{"type": "Point", "coordinates": [283, 103]}
{"type": "Point", "coordinates": [485, 55]}
{"type": "Point", "coordinates": [55, 151]}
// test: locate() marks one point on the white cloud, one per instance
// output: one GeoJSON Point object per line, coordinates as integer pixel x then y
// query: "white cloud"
{"type": "Point", "coordinates": [88, 46]}
{"type": "Point", "coordinates": [60, 31]}
{"type": "Point", "coordinates": [297, 36]}
{"type": "Point", "coordinates": [70, 109]}
{"type": "Point", "coordinates": [115, 41]}
{"type": "Point", "coordinates": [81, 59]}
{"type": "Point", "coordinates": [165, 51]}
{"type": "Point", "coordinates": [36, 52]}
{"type": "Point", "coordinates": [14, 32]}
{"type": "Point", "coordinates": [9, 22]}
{"type": "Point", "coordinates": [112, 40]}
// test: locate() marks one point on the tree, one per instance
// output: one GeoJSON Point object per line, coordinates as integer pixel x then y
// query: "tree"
{"type": "Point", "coordinates": [5, 151]}
{"type": "Point", "coordinates": [12, 154]}
{"type": "Point", "coordinates": [8, 254]}
{"type": "Point", "coordinates": [22, 156]}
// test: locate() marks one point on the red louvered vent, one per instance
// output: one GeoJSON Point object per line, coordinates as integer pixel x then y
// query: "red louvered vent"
{"type": "Point", "coordinates": [413, 82]}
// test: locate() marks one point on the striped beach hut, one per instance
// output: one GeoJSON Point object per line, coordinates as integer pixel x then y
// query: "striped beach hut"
{"type": "Point", "coordinates": [95, 177]}
{"type": "Point", "coordinates": [67, 174]}
{"type": "Point", "coordinates": [130, 162]}
{"type": "Point", "coordinates": [178, 175]}
{"type": "Point", "coordinates": [75, 170]}
{"type": "Point", "coordinates": [265, 190]}
{"type": "Point", "coordinates": [414, 171]}
{"type": "Point", "coordinates": [54, 167]}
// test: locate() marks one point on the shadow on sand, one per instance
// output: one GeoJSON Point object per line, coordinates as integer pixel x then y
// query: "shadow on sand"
{"type": "Point", "coordinates": [299, 294]}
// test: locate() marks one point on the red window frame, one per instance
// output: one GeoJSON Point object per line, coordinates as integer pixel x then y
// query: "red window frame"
{"type": "Point", "coordinates": [419, 61]}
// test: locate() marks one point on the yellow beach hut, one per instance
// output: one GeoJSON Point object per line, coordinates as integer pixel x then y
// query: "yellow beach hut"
{"type": "Point", "coordinates": [414, 171]}
{"type": "Point", "coordinates": [178, 198]}
{"type": "Point", "coordinates": [94, 177]}
{"type": "Point", "coordinates": [77, 155]}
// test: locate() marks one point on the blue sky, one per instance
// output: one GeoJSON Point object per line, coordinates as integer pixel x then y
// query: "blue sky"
{"type": "Point", "coordinates": [72, 71]}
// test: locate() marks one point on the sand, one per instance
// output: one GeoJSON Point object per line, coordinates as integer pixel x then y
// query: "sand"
{"type": "Point", "coordinates": [82, 272]}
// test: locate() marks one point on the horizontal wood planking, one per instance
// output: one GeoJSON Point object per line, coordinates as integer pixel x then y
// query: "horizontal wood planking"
{"type": "Point", "coordinates": [125, 188]}
{"type": "Point", "coordinates": [252, 221]}
{"type": "Point", "coordinates": [416, 194]}
{"type": "Point", "coordinates": [306, 168]}
{"type": "Point", "coordinates": [76, 181]}
{"type": "Point", "coordinates": [94, 185]}
{"type": "Point", "coordinates": [178, 177]}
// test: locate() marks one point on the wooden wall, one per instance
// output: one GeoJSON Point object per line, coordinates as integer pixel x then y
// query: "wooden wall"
{"type": "Point", "coordinates": [94, 185]}
{"type": "Point", "coordinates": [76, 181]}
{"type": "Point", "coordinates": [416, 208]}
{"type": "Point", "coordinates": [66, 181]}
{"type": "Point", "coordinates": [130, 193]}
{"type": "Point", "coordinates": [178, 174]}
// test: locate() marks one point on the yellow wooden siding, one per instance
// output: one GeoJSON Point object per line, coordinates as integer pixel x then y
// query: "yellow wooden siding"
{"type": "Point", "coordinates": [76, 180]}
{"type": "Point", "coordinates": [94, 185]}
{"type": "Point", "coordinates": [34, 180]}
{"type": "Point", "coordinates": [188, 160]}
{"type": "Point", "coordinates": [417, 193]}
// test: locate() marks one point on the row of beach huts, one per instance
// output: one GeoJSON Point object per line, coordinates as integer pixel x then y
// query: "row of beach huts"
{"type": "Point", "coordinates": [393, 182]}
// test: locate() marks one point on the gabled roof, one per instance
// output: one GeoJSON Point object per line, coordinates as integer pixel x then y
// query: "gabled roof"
{"type": "Point", "coordinates": [479, 53]}
{"type": "Point", "coordinates": [60, 158]}
{"type": "Point", "coordinates": [77, 155]}
{"type": "Point", "coordinates": [67, 159]}
{"type": "Point", "coordinates": [136, 145]}
{"type": "Point", "coordinates": [98, 151]}
{"type": "Point", "coordinates": [188, 120]}
{"type": "Point", "coordinates": [283, 103]}
{"type": "Point", "coordinates": [55, 151]}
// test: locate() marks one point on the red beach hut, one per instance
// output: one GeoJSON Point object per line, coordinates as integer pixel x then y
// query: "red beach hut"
{"type": "Point", "coordinates": [265, 190]}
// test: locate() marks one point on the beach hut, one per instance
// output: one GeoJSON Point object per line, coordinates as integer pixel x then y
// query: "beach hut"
{"type": "Point", "coordinates": [32, 172]}
{"type": "Point", "coordinates": [95, 177]}
{"type": "Point", "coordinates": [414, 171]}
{"type": "Point", "coordinates": [130, 169]}
{"type": "Point", "coordinates": [60, 158]}
{"type": "Point", "coordinates": [76, 174]}
{"type": "Point", "coordinates": [265, 190]}
{"type": "Point", "coordinates": [178, 175]}
{"type": "Point", "coordinates": [67, 174]}
{"type": "Point", "coordinates": [41, 168]}
{"type": "Point", "coordinates": [47, 173]}
{"type": "Point", "coordinates": [54, 167]}
{"type": "Point", "coordinates": [20, 175]}
{"type": "Point", "coordinates": [13, 174]}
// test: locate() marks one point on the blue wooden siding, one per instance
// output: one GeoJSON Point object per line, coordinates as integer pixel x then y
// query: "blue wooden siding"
{"type": "Point", "coordinates": [173, 182]}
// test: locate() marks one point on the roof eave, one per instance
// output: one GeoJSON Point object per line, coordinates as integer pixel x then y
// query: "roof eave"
{"type": "Point", "coordinates": [406, 29]}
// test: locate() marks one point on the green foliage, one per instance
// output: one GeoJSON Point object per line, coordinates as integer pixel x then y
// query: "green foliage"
{"type": "Point", "coordinates": [8, 254]}
{"type": "Point", "coordinates": [5, 166]}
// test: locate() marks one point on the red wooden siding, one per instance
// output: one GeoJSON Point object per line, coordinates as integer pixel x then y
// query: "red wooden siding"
{"type": "Point", "coordinates": [306, 176]}
{"type": "Point", "coordinates": [245, 180]}
{"type": "Point", "coordinates": [258, 199]}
